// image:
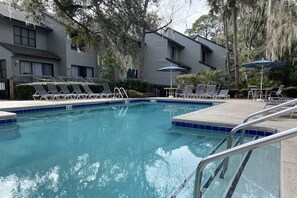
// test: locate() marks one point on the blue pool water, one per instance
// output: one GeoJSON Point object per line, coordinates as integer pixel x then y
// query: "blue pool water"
{"type": "Point", "coordinates": [114, 151]}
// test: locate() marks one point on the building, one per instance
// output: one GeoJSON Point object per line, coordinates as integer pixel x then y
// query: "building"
{"type": "Point", "coordinates": [40, 49]}
{"type": "Point", "coordinates": [178, 49]}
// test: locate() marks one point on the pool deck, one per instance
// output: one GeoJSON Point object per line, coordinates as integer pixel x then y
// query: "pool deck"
{"type": "Point", "coordinates": [230, 113]}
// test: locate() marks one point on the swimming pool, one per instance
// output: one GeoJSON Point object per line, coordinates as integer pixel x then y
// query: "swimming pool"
{"type": "Point", "coordinates": [109, 151]}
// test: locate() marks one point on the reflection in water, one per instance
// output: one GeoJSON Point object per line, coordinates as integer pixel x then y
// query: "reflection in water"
{"type": "Point", "coordinates": [110, 152]}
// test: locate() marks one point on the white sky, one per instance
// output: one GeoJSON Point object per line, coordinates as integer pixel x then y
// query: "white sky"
{"type": "Point", "coordinates": [184, 14]}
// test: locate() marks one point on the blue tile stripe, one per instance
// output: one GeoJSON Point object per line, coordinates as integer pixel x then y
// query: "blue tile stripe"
{"type": "Point", "coordinates": [8, 121]}
{"type": "Point", "coordinates": [220, 128]}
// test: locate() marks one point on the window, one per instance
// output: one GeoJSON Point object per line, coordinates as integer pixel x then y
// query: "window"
{"type": "Point", "coordinates": [172, 53]}
{"type": "Point", "coordinates": [132, 73]}
{"type": "Point", "coordinates": [2, 69]}
{"type": "Point", "coordinates": [81, 71]}
{"type": "Point", "coordinates": [23, 36]}
{"type": "Point", "coordinates": [74, 45]}
{"type": "Point", "coordinates": [203, 56]}
{"type": "Point", "coordinates": [37, 69]}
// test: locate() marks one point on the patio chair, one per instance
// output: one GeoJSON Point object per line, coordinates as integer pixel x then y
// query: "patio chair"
{"type": "Point", "coordinates": [106, 91]}
{"type": "Point", "coordinates": [78, 92]}
{"type": "Point", "coordinates": [210, 91]}
{"type": "Point", "coordinates": [277, 95]}
{"type": "Point", "coordinates": [41, 93]}
{"type": "Point", "coordinates": [199, 91]}
{"type": "Point", "coordinates": [65, 90]}
{"type": "Point", "coordinates": [90, 93]}
{"type": "Point", "coordinates": [188, 91]}
{"type": "Point", "coordinates": [223, 94]}
{"type": "Point", "coordinates": [53, 90]}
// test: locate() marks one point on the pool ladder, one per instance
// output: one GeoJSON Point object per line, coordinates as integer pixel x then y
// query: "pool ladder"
{"type": "Point", "coordinates": [120, 92]}
{"type": "Point", "coordinates": [247, 146]}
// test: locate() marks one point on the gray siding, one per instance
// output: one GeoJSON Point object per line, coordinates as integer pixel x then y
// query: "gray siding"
{"type": "Point", "coordinates": [6, 55]}
{"type": "Point", "coordinates": [57, 44]}
{"type": "Point", "coordinates": [155, 54]}
{"type": "Point", "coordinates": [191, 54]}
{"type": "Point", "coordinates": [218, 57]}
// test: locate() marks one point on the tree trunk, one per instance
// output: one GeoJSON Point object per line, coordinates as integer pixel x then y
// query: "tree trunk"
{"type": "Point", "coordinates": [225, 22]}
{"type": "Point", "coordinates": [236, 66]}
{"type": "Point", "coordinates": [142, 55]}
{"type": "Point", "coordinates": [142, 40]}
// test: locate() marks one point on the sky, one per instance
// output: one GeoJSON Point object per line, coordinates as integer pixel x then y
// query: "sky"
{"type": "Point", "coordinates": [183, 13]}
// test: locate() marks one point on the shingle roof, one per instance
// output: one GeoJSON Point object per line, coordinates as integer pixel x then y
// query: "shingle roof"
{"type": "Point", "coordinates": [26, 51]}
{"type": "Point", "coordinates": [12, 13]}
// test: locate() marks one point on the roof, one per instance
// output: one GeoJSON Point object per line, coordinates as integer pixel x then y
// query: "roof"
{"type": "Point", "coordinates": [11, 13]}
{"type": "Point", "coordinates": [26, 51]}
{"type": "Point", "coordinates": [202, 44]}
{"type": "Point", "coordinates": [209, 41]}
{"type": "Point", "coordinates": [179, 64]}
{"type": "Point", "coordinates": [171, 40]}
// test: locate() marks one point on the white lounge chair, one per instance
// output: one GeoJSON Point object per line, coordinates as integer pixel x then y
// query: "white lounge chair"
{"type": "Point", "coordinates": [199, 91]}
{"type": "Point", "coordinates": [188, 91]}
{"type": "Point", "coordinates": [223, 94]}
{"type": "Point", "coordinates": [90, 93]}
{"type": "Point", "coordinates": [210, 91]}
{"type": "Point", "coordinates": [41, 93]}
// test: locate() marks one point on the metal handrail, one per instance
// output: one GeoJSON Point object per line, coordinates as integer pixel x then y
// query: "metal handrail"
{"type": "Point", "coordinates": [119, 92]}
{"type": "Point", "coordinates": [124, 91]}
{"type": "Point", "coordinates": [250, 123]}
{"type": "Point", "coordinates": [238, 149]}
{"type": "Point", "coordinates": [271, 108]}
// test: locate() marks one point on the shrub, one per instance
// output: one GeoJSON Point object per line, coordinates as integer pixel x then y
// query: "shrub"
{"type": "Point", "coordinates": [290, 92]}
{"type": "Point", "coordinates": [24, 92]}
{"type": "Point", "coordinates": [134, 94]}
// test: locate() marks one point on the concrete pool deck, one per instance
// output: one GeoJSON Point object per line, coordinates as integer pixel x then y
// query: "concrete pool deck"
{"type": "Point", "coordinates": [230, 113]}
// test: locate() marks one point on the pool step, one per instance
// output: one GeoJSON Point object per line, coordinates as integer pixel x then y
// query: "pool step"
{"type": "Point", "coordinates": [191, 176]}
{"type": "Point", "coordinates": [260, 177]}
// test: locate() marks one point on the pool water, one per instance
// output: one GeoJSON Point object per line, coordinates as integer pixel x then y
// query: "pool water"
{"type": "Point", "coordinates": [114, 151]}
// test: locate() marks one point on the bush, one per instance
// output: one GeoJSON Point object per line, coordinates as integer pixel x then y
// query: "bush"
{"type": "Point", "coordinates": [24, 92]}
{"type": "Point", "coordinates": [290, 92]}
{"type": "Point", "coordinates": [134, 94]}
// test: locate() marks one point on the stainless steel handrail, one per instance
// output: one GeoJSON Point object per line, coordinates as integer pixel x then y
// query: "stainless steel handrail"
{"type": "Point", "coordinates": [124, 91]}
{"type": "Point", "coordinates": [290, 102]}
{"type": "Point", "coordinates": [238, 149]}
{"type": "Point", "coordinates": [250, 123]}
{"type": "Point", "coordinates": [119, 92]}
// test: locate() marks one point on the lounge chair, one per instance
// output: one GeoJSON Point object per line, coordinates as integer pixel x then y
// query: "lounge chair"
{"type": "Point", "coordinates": [65, 90]}
{"type": "Point", "coordinates": [188, 91]}
{"type": "Point", "coordinates": [90, 93]}
{"type": "Point", "coordinates": [41, 93]}
{"type": "Point", "coordinates": [223, 94]}
{"type": "Point", "coordinates": [210, 91]}
{"type": "Point", "coordinates": [78, 92]}
{"type": "Point", "coordinates": [106, 91]}
{"type": "Point", "coordinates": [277, 95]}
{"type": "Point", "coordinates": [199, 91]}
{"type": "Point", "coordinates": [53, 90]}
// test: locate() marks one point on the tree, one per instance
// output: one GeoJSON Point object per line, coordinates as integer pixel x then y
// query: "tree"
{"type": "Point", "coordinates": [281, 28]}
{"type": "Point", "coordinates": [115, 26]}
{"type": "Point", "coordinates": [207, 26]}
